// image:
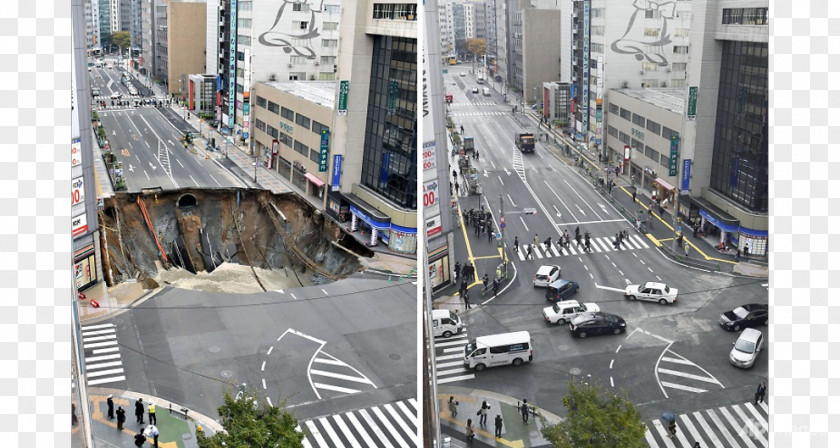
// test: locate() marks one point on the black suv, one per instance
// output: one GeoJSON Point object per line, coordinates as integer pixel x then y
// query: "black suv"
{"type": "Point", "coordinates": [590, 324]}
{"type": "Point", "coordinates": [749, 315]}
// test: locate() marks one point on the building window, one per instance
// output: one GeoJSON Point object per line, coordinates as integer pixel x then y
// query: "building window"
{"type": "Point", "coordinates": [596, 30]}
{"type": "Point", "coordinates": [624, 138]}
{"type": "Point", "coordinates": [260, 125]}
{"type": "Point", "coordinates": [301, 149]}
{"type": "Point", "coordinates": [298, 60]}
{"type": "Point", "coordinates": [303, 7]}
{"type": "Point", "coordinates": [300, 24]}
{"type": "Point", "coordinates": [240, 89]}
{"type": "Point", "coordinates": [625, 114]}
{"type": "Point", "coordinates": [326, 76]}
{"type": "Point", "coordinates": [679, 66]}
{"type": "Point", "coordinates": [745, 16]}
{"type": "Point", "coordinates": [302, 120]}
{"type": "Point", "coordinates": [654, 127]}
{"type": "Point", "coordinates": [243, 40]}
{"type": "Point", "coordinates": [318, 127]}
{"type": "Point", "coordinates": [652, 32]}
{"type": "Point", "coordinates": [637, 145]}
{"type": "Point", "coordinates": [596, 48]}
{"type": "Point", "coordinates": [297, 76]}
{"type": "Point", "coordinates": [680, 49]}
{"type": "Point", "coordinates": [677, 83]}
{"type": "Point", "coordinates": [329, 43]}
{"type": "Point", "coordinates": [332, 9]}
{"type": "Point", "coordinates": [287, 114]}
{"type": "Point", "coordinates": [395, 11]}
{"type": "Point", "coordinates": [650, 66]}
{"type": "Point", "coordinates": [270, 130]}
{"type": "Point", "coordinates": [664, 160]}
{"type": "Point", "coordinates": [327, 60]}
{"type": "Point", "coordinates": [245, 5]}
{"type": "Point", "coordinates": [667, 133]}
{"type": "Point", "coordinates": [261, 102]}
{"type": "Point", "coordinates": [243, 23]}
{"type": "Point", "coordinates": [651, 154]}
{"type": "Point", "coordinates": [638, 120]}
{"type": "Point", "coordinates": [274, 107]}
{"type": "Point", "coordinates": [285, 139]}
{"type": "Point", "coordinates": [314, 156]}
{"type": "Point", "coordinates": [682, 32]}
{"type": "Point", "coordinates": [330, 26]}
{"type": "Point", "coordinates": [613, 132]}
{"type": "Point", "coordinates": [613, 109]}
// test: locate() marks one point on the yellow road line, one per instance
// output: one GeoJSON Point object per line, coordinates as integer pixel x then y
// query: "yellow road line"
{"type": "Point", "coordinates": [488, 257]}
{"type": "Point", "coordinates": [654, 240]}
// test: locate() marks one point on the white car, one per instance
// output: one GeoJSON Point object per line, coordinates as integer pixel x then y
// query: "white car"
{"type": "Point", "coordinates": [651, 291]}
{"type": "Point", "coordinates": [746, 348]}
{"type": "Point", "coordinates": [565, 311]}
{"type": "Point", "coordinates": [463, 74]}
{"type": "Point", "coordinates": [545, 275]}
{"type": "Point", "coordinates": [116, 95]}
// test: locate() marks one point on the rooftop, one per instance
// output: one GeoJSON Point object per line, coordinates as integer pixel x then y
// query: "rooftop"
{"type": "Point", "coordinates": [669, 98]}
{"type": "Point", "coordinates": [318, 92]}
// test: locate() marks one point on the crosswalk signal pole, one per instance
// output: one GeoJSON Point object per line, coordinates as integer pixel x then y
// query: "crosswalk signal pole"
{"type": "Point", "coordinates": [502, 231]}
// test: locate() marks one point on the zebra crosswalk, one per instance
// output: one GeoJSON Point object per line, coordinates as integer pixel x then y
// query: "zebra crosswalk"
{"type": "Point", "coordinates": [103, 362]}
{"type": "Point", "coordinates": [598, 244]}
{"type": "Point", "coordinates": [478, 114]}
{"type": "Point", "coordinates": [333, 377]}
{"type": "Point", "coordinates": [680, 374]}
{"type": "Point", "coordinates": [474, 103]}
{"type": "Point", "coordinates": [449, 359]}
{"type": "Point", "coordinates": [389, 425]}
{"type": "Point", "coordinates": [735, 426]}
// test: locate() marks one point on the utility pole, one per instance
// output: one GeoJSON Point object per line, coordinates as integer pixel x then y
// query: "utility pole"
{"type": "Point", "coordinates": [502, 231]}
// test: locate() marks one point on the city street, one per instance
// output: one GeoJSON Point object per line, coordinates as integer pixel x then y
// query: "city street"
{"type": "Point", "coordinates": [672, 357]}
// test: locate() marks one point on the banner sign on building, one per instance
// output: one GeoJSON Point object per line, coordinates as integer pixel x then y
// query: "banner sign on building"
{"type": "Point", "coordinates": [692, 102]}
{"type": "Point", "coordinates": [433, 226]}
{"type": "Point", "coordinates": [430, 193]}
{"type": "Point", "coordinates": [77, 190]}
{"type": "Point", "coordinates": [325, 149]}
{"type": "Point", "coordinates": [76, 152]}
{"type": "Point", "coordinates": [232, 66]}
{"type": "Point", "coordinates": [383, 171]}
{"type": "Point", "coordinates": [686, 174]}
{"type": "Point", "coordinates": [336, 172]}
{"type": "Point", "coordinates": [79, 224]}
{"type": "Point", "coordinates": [429, 156]}
{"type": "Point", "coordinates": [675, 153]}
{"type": "Point", "coordinates": [584, 106]}
{"type": "Point", "coordinates": [343, 91]}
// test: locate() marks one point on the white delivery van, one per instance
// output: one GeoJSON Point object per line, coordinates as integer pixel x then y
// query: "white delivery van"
{"type": "Point", "coordinates": [446, 323]}
{"type": "Point", "coordinates": [498, 350]}
{"type": "Point", "coordinates": [486, 91]}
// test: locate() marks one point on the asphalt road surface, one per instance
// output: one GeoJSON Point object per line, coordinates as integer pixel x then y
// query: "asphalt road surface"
{"type": "Point", "coordinates": [672, 357]}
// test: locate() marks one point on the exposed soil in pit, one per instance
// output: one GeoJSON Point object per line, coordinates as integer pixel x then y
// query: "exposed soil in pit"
{"type": "Point", "coordinates": [223, 240]}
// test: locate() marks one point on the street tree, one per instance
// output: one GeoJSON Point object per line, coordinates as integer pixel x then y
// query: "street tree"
{"type": "Point", "coordinates": [250, 425]}
{"type": "Point", "coordinates": [596, 420]}
{"type": "Point", "coordinates": [476, 47]}
{"type": "Point", "coordinates": [121, 39]}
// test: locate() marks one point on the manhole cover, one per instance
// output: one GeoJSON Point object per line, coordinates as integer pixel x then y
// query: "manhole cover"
{"type": "Point", "coordinates": [395, 356]}
{"type": "Point", "coordinates": [575, 371]}
{"type": "Point", "coordinates": [214, 349]}
{"type": "Point", "coordinates": [226, 373]}
{"type": "Point", "coordinates": [186, 436]}
{"type": "Point", "coordinates": [562, 347]}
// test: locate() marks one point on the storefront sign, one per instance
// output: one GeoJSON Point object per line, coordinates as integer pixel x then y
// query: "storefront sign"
{"type": "Point", "coordinates": [274, 149]}
{"type": "Point", "coordinates": [336, 172]}
{"type": "Point", "coordinates": [626, 152]}
{"type": "Point", "coordinates": [79, 224]}
{"type": "Point", "coordinates": [77, 191]}
{"type": "Point", "coordinates": [232, 66]}
{"type": "Point", "coordinates": [692, 102]}
{"type": "Point", "coordinates": [325, 149]}
{"type": "Point", "coordinates": [430, 193]}
{"type": "Point", "coordinates": [433, 226]}
{"type": "Point", "coordinates": [286, 127]}
{"type": "Point", "coordinates": [675, 152]}
{"type": "Point", "coordinates": [429, 156]}
{"type": "Point", "coordinates": [343, 91]}
{"type": "Point", "coordinates": [75, 152]}
{"type": "Point", "coordinates": [686, 174]}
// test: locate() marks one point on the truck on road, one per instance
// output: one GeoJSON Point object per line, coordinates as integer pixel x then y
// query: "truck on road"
{"type": "Point", "coordinates": [468, 144]}
{"type": "Point", "coordinates": [524, 141]}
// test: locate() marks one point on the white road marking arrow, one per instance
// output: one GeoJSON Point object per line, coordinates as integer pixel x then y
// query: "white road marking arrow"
{"type": "Point", "coordinates": [153, 167]}
{"type": "Point", "coordinates": [581, 210]}
{"type": "Point", "coordinates": [511, 200]}
{"type": "Point", "coordinates": [608, 288]}
{"type": "Point", "coordinates": [603, 207]}
{"type": "Point", "coordinates": [507, 172]}
{"type": "Point", "coordinates": [486, 174]}
{"type": "Point", "coordinates": [131, 167]}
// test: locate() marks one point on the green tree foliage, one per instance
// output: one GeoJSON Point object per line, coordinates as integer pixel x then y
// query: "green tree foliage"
{"type": "Point", "coordinates": [476, 47]}
{"type": "Point", "coordinates": [250, 426]}
{"type": "Point", "coordinates": [596, 421]}
{"type": "Point", "coordinates": [121, 39]}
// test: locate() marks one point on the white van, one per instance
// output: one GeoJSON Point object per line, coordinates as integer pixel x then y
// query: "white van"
{"type": "Point", "coordinates": [446, 323]}
{"type": "Point", "coordinates": [486, 91]}
{"type": "Point", "coordinates": [498, 350]}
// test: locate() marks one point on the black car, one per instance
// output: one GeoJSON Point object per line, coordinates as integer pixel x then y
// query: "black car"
{"type": "Point", "coordinates": [749, 315]}
{"type": "Point", "coordinates": [590, 324]}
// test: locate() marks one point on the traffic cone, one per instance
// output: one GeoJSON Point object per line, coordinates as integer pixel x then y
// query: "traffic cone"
{"type": "Point", "coordinates": [94, 303]}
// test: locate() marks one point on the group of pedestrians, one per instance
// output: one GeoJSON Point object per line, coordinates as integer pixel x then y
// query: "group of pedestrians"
{"type": "Point", "coordinates": [482, 413]}
{"type": "Point", "coordinates": [619, 238]}
{"type": "Point", "coordinates": [139, 413]}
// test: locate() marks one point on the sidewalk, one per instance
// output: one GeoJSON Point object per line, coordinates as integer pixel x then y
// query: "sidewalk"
{"type": "Point", "coordinates": [701, 252]}
{"type": "Point", "coordinates": [175, 430]}
{"type": "Point", "coordinates": [515, 432]}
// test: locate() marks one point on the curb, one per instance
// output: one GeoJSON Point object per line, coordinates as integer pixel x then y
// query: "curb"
{"type": "Point", "coordinates": [162, 404]}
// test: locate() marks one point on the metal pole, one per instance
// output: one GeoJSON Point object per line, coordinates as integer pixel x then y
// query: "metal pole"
{"type": "Point", "coordinates": [502, 231]}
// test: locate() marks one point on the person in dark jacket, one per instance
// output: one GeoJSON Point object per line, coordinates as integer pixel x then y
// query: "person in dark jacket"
{"type": "Point", "coordinates": [498, 425]}
{"type": "Point", "coordinates": [139, 439]}
{"type": "Point", "coordinates": [111, 406]}
{"type": "Point", "coordinates": [120, 418]}
{"type": "Point", "coordinates": [138, 410]}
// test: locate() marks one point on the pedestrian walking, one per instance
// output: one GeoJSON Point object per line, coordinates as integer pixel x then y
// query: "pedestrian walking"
{"type": "Point", "coordinates": [110, 402]}
{"type": "Point", "coordinates": [139, 439]}
{"type": "Point", "coordinates": [472, 272]}
{"type": "Point", "coordinates": [530, 254]}
{"type": "Point", "coordinates": [464, 271]}
{"type": "Point", "coordinates": [696, 444]}
{"type": "Point", "coordinates": [138, 410]}
{"type": "Point", "coordinates": [496, 284]}
{"type": "Point", "coordinates": [634, 195]}
{"type": "Point", "coordinates": [679, 240]}
{"type": "Point", "coordinates": [75, 419]}
{"type": "Point", "coordinates": [489, 234]}
{"type": "Point", "coordinates": [672, 429]}
{"type": "Point", "coordinates": [467, 299]}
{"type": "Point", "coordinates": [536, 239]}
{"type": "Point", "coordinates": [152, 416]}
{"type": "Point", "coordinates": [499, 423]}
{"type": "Point", "coordinates": [759, 393]}
{"type": "Point", "coordinates": [547, 243]}
{"type": "Point", "coordinates": [524, 410]}
{"type": "Point", "coordinates": [470, 431]}
{"type": "Point", "coordinates": [120, 418]}
{"type": "Point", "coordinates": [457, 270]}
{"type": "Point", "coordinates": [737, 256]}
{"type": "Point", "coordinates": [747, 251]}
{"type": "Point", "coordinates": [686, 249]}
{"type": "Point", "coordinates": [616, 242]}
{"type": "Point", "coordinates": [485, 280]}
{"type": "Point", "coordinates": [568, 238]}
{"type": "Point", "coordinates": [453, 407]}
{"type": "Point", "coordinates": [482, 413]}
{"type": "Point", "coordinates": [516, 244]}
{"type": "Point", "coordinates": [588, 246]}
{"type": "Point", "coordinates": [457, 185]}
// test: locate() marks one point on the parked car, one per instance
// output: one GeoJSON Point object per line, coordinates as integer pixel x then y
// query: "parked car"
{"type": "Point", "coordinates": [651, 291]}
{"type": "Point", "coordinates": [561, 289]}
{"type": "Point", "coordinates": [567, 310]}
{"type": "Point", "coordinates": [749, 315]}
{"type": "Point", "coordinates": [746, 349]}
{"type": "Point", "coordinates": [545, 275]}
{"type": "Point", "coordinates": [591, 324]}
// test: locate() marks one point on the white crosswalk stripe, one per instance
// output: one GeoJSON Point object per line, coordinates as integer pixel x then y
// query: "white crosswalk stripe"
{"type": "Point", "coordinates": [449, 359]}
{"type": "Point", "coordinates": [676, 373]}
{"type": "Point", "coordinates": [478, 114]}
{"type": "Point", "coordinates": [103, 361]}
{"type": "Point", "coordinates": [333, 377]}
{"type": "Point", "coordinates": [388, 425]}
{"type": "Point", "coordinates": [597, 244]}
{"type": "Point", "coordinates": [734, 426]}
